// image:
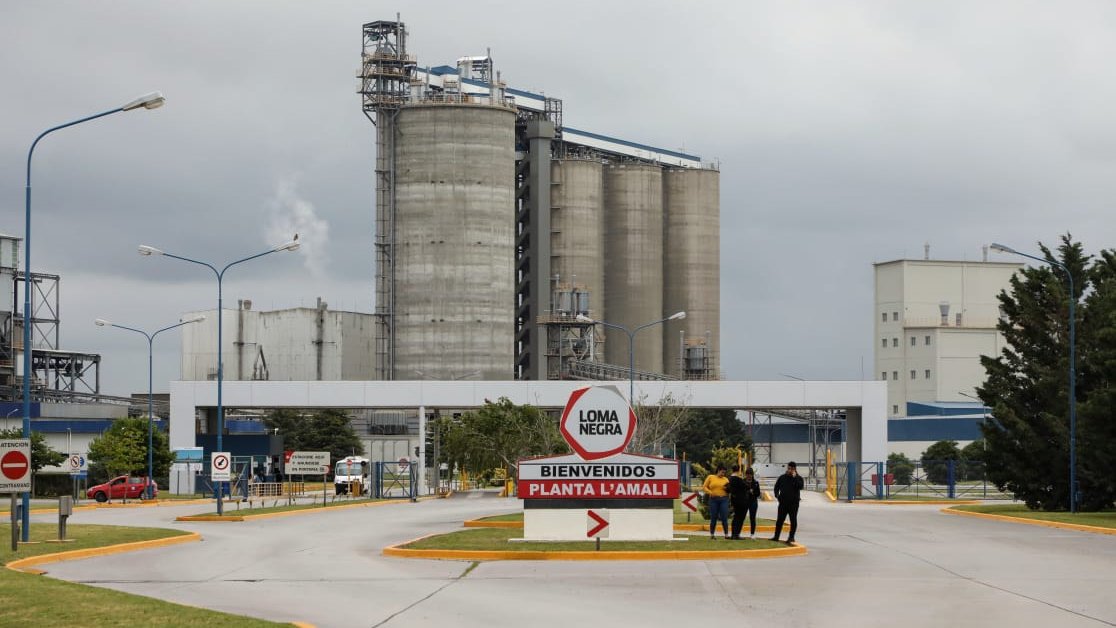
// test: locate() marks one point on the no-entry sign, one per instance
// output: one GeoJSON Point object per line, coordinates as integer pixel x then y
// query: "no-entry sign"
{"type": "Point", "coordinates": [15, 465]}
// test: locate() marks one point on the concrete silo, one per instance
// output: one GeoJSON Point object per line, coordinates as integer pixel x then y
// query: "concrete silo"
{"type": "Point", "coordinates": [691, 271]}
{"type": "Point", "coordinates": [454, 241]}
{"type": "Point", "coordinates": [577, 228]}
{"type": "Point", "coordinates": [633, 225]}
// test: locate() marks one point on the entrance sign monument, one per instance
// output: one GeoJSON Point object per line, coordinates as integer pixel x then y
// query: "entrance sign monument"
{"type": "Point", "coordinates": [633, 494]}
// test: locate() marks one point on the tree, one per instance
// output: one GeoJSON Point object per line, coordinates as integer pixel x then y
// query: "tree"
{"type": "Point", "coordinates": [325, 430]}
{"type": "Point", "coordinates": [935, 460]}
{"type": "Point", "coordinates": [1026, 387]}
{"type": "Point", "coordinates": [659, 426]}
{"type": "Point", "coordinates": [122, 449]}
{"type": "Point", "coordinates": [707, 430]}
{"type": "Point", "coordinates": [41, 453]}
{"type": "Point", "coordinates": [498, 434]}
{"type": "Point", "coordinates": [901, 467]}
{"type": "Point", "coordinates": [972, 460]}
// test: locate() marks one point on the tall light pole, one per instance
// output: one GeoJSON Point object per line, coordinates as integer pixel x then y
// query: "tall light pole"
{"type": "Point", "coordinates": [220, 274]}
{"type": "Point", "coordinates": [631, 343]}
{"type": "Point", "coordinates": [100, 322]}
{"type": "Point", "coordinates": [154, 100]}
{"type": "Point", "coordinates": [1072, 367]}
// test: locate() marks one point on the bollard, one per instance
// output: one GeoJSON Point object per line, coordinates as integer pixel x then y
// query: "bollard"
{"type": "Point", "coordinates": [65, 509]}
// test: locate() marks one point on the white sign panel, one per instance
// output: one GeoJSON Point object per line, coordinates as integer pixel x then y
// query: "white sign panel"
{"type": "Point", "coordinates": [77, 463]}
{"type": "Point", "coordinates": [15, 465]}
{"type": "Point", "coordinates": [597, 422]}
{"type": "Point", "coordinates": [308, 463]}
{"type": "Point", "coordinates": [220, 466]}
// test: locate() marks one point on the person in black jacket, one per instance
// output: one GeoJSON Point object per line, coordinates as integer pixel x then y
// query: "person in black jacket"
{"type": "Point", "coordinates": [788, 490]}
{"type": "Point", "coordinates": [744, 493]}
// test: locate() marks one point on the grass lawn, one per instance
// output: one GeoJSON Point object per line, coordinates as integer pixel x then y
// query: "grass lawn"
{"type": "Point", "coordinates": [231, 509]}
{"type": "Point", "coordinates": [1102, 519]}
{"type": "Point", "coordinates": [497, 539]}
{"type": "Point", "coordinates": [30, 600]}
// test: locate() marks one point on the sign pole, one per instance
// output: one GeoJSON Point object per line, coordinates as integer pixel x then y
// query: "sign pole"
{"type": "Point", "coordinates": [15, 523]}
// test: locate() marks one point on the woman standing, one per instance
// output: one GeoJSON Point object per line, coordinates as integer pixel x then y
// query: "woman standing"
{"type": "Point", "coordinates": [716, 487]}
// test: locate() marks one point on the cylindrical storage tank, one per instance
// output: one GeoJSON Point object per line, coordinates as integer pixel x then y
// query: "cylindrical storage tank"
{"type": "Point", "coordinates": [633, 252]}
{"type": "Point", "coordinates": [577, 228]}
{"type": "Point", "coordinates": [454, 242]}
{"type": "Point", "coordinates": [692, 263]}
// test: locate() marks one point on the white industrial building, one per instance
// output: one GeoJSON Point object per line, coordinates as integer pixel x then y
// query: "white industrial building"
{"type": "Point", "coordinates": [296, 344]}
{"type": "Point", "coordinates": [933, 321]}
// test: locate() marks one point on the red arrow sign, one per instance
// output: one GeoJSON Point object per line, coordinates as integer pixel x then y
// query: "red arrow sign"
{"type": "Point", "coordinates": [14, 465]}
{"type": "Point", "coordinates": [688, 502]}
{"type": "Point", "coordinates": [602, 523]}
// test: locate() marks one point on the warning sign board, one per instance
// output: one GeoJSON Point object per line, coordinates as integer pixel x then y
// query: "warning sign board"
{"type": "Point", "coordinates": [77, 464]}
{"type": "Point", "coordinates": [308, 463]}
{"type": "Point", "coordinates": [220, 466]}
{"type": "Point", "coordinates": [15, 465]}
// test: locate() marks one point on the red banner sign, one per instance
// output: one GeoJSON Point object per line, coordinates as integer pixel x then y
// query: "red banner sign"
{"type": "Point", "coordinates": [599, 489]}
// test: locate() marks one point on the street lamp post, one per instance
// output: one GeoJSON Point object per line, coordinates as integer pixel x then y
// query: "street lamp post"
{"type": "Point", "coordinates": [100, 322]}
{"type": "Point", "coordinates": [154, 100]}
{"type": "Point", "coordinates": [220, 274]}
{"type": "Point", "coordinates": [1072, 367]}
{"type": "Point", "coordinates": [631, 343]}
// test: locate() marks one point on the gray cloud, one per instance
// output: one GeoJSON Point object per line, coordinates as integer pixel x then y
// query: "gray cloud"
{"type": "Point", "coordinates": [848, 133]}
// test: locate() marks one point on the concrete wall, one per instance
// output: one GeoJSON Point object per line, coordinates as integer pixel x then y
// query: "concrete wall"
{"type": "Point", "coordinates": [577, 228]}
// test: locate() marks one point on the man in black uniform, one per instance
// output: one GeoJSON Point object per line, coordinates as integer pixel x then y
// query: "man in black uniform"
{"type": "Point", "coordinates": [788, 490]}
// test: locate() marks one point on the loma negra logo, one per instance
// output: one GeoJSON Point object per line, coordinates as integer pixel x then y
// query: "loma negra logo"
{"type": "Point", "coordinates": [597, 422]}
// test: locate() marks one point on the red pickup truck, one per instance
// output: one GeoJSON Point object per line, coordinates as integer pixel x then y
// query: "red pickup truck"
{"type": "Point", "coordinates": [123, 487]}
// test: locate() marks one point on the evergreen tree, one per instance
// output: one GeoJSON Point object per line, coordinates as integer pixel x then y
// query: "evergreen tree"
{"type": "Point", "coordinates": [707, 430]}
{"type": "Point", "coordinates": [901, 467]}
{"type": "Point", "coordinates": [1027, 385]}
{"type": "Point", "coordinates": [325, 430]}
{"type": "Point", "coordinates": [935, 461]}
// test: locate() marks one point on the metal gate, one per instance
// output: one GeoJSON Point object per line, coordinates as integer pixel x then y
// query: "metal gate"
{"type": "Point", "coordinates": [861, 480]}
{"type": "Point", "coordinates": [396, 480]}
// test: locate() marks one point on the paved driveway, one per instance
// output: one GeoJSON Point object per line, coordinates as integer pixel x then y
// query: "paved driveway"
{"type": "Point", "coordinates": [868, 566]}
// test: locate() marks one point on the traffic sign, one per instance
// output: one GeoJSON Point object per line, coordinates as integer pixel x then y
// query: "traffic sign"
{"type": "Point", "coordinates": [689, 501]}
{"type": "Point", "coordinates": [308, 463]}
{"type": "Point", "coordinates": [404, 464]}
{"type": "Point", "coordinates": [597, 422]}
{"type": "Point", "coordinates": [220, 466]}
{"type": "Point", "coordinates": [596, 524]}
{"type": "Point", "coordinates": [15, 465]}
{"type": "Point", "coordinates": [77, 463]}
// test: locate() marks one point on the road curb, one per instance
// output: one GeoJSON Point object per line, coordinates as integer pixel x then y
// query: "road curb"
{"type": "Point", "coordinates": [919, 502]}
{"type": "Point", "coordinates": [287, 513]}
{"type": "Point", "coordinates": [398, 551]}
{"type": "Point", "coordinates": [25, 565]}
{"type": "Point", "coordinates": [681, 527]}
{"type": "Point", "coordinates": [1034, 522]}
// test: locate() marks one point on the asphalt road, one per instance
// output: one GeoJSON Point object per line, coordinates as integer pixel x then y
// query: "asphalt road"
{"type": "Point", "coordinates": [868, 565]}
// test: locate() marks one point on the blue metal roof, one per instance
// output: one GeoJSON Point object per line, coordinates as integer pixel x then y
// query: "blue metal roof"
{"type": "Point", "coordinates": [944, 408]}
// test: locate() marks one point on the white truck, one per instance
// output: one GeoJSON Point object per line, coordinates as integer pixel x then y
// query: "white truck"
{"type": "Point", "coordinates": [352, 474]}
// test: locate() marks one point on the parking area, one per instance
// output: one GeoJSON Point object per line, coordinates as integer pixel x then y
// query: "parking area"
{"type": "Point", "coordinates": [903, 565]}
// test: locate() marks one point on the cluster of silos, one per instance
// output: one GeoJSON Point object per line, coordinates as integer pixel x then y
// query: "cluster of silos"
{"type": "Point", "coordinates": [645, 242]}
{"type": "Point", "coordinates": [454, 245]}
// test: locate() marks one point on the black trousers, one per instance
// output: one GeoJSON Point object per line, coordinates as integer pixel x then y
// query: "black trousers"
{"type": "Point", "coordinates": [787, 509]}
{"type": "Point", "coordinates": [741, 512]}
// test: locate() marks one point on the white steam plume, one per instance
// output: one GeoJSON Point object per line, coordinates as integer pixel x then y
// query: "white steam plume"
{"type": "Point", "coordinates": [289, 214]}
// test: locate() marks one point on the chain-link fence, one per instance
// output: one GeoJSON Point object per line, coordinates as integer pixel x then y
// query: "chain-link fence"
{"type": "Point", "coordinates": [917, 480]}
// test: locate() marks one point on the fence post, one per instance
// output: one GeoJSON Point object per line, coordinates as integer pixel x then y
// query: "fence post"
{"type": "Point", "coordinates": [879, 480]}
{"type": "Point", "coordinates": [851, 477]}
{"type": "Point", "coordinates": [951, 478]}
{"type": "Point", "coordinates": [378, 481]}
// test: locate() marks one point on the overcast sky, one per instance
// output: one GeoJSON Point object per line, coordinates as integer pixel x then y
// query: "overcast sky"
{"type": "Point", "coordinates": [848, 133]}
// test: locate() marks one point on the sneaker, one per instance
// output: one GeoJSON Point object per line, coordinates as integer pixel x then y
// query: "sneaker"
{"type": "Point", "coordinates": [774, 539]}
{"type": "Point", "coordinates": [790, 541]}
{"type": "Point", "coordinates": [734, 538]}
{"type": "Point", "coordinates": [752, 538]}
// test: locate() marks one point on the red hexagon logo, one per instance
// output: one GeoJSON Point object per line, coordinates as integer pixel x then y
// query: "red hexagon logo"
{"type": "Point", "coordinates": [597, 422]}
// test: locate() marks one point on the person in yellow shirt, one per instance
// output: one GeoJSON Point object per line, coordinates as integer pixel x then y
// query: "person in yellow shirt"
{"type": "Point", "coordinates": [716, 488]}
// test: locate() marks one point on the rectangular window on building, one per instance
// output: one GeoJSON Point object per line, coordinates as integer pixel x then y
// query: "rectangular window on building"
{"type": "Point", "coordinates": [927, 373]}
{"type": "Point", "coordinates": [883, 343]}
{"type": "Point", "coordinates": [895, 375]}
{"type": "Point", "coordinates": [895, 342]}
{"type": "Point", "coordinates": [914, 341]}
{"type": "Point", "coordinates": [883, 317]}
{"type": "Point", "coordinates": [894, 409]}
{"type": "Point", "coordinates": [895, 316]}
{"type": "Point", "coordinates": [883, 375]}
{"type": "Point", "coordinates": [927, 343]}
{"type": "Point", "coordinates": [912, 374]}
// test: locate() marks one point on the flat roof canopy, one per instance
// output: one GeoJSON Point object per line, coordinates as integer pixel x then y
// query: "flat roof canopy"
{"type": "Point", "coordinates": [865, 402]}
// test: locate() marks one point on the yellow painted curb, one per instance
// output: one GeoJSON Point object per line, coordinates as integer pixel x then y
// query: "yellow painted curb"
{"type": "Point", "coordinates": [302, 624]}
{"type": "Point", "coordinates": [23, 564]}
{"type": "Point", "coordinates": [1034, 522]}
{"type": "Point", "coordinates": [779, 552]}
{"type": "Point", "coordinates": [919, 502]}
{"type": "Point", "coordinates": [831, 496]}
{"type": "Point", "coordinates": [285, 513]}
{"type": "Point", "coordinates": [684, 527]}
